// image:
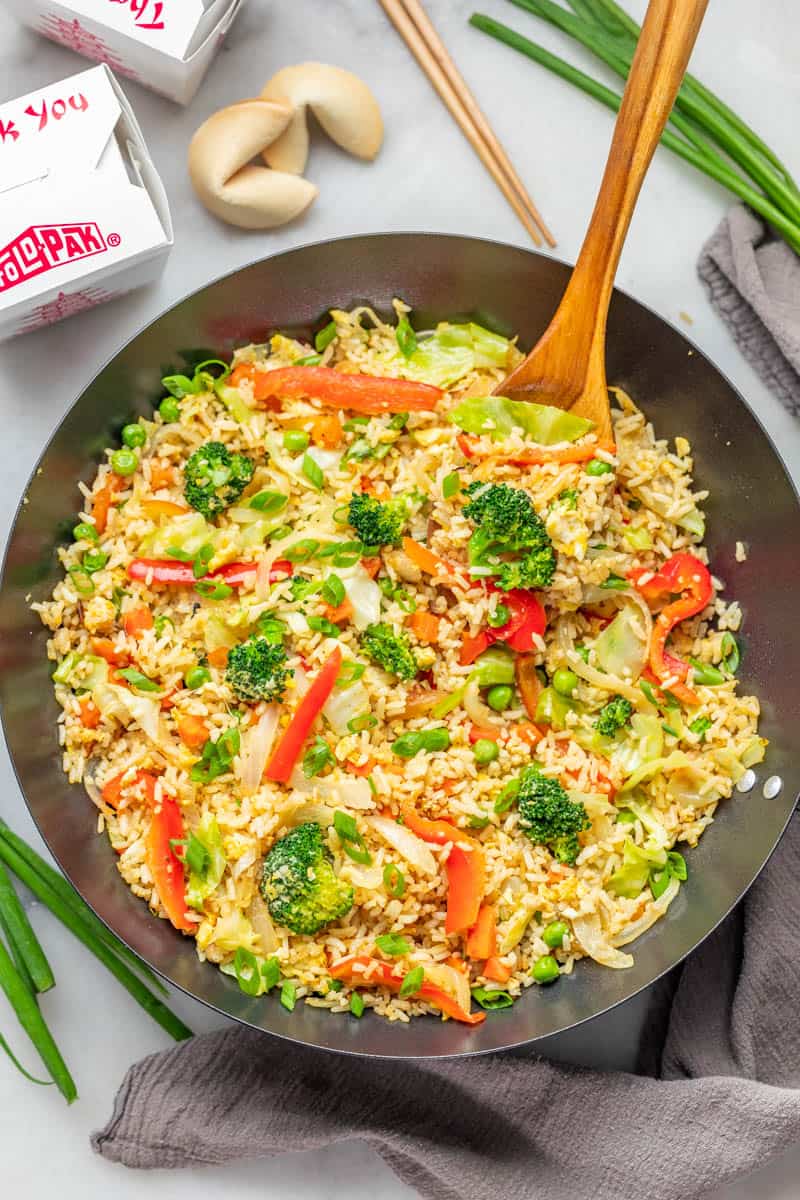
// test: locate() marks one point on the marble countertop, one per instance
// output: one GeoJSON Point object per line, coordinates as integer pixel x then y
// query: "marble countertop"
{"type": "Point", "coordinates": [426, 177]}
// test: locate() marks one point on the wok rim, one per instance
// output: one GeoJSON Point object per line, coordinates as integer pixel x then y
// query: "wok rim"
{"type": "Point", "coordinates": [377, 236]}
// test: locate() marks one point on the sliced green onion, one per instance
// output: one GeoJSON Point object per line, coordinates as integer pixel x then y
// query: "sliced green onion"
{"type": "Point", "coordinates": [451, 485]}
{"type": "Point", "coordinates": [700, 726]}
{"type": "Point", "coordinates": [138, 680]}
{"type": "Point", "coordinates": [213, 589]}
{"type": "Point", "coordinates": [268, 502]}
{"type": "Point", "coordinates": [364, 721]}
{"type": "Point", "coordinates": [310, 360]}
{"type": "Point", "coordinates": [492, 999]}
{"type": "Point", "coordinates": [394, 880]}
{"type": "Point", "coordinates": [301, 551]}
{"type": "Point", "coordinates": [356, 1003]}
{"type": "Point", "coordinates": [349, 673]}
{"type": "Point", "coordinates": [705, 674]}
{"type": "Point", "coordinates": [323, 625]}
{"type": "Point", "coordinates": [288, 994]}
{"type": "Point", "coordinates": [317, 757]}
{"type": "Point", "coordinates": [81, 581]}
{"type": "Point", "coordinates": [313, 472]}
{"type": "Point", "coordinates": [615, 583]}
{"type": "Point", "coordinates": [406, 338]}
{"type": "Point", "coordinates": [332, 591]}
{"type": "Point", "coordinates": [393, 945]}
{"type": "Point", "coordinates": [506, 796]}
{"type": "Point", "coordinates": [731, 654]}
{"type": "Point", "coordinates": [271, 973]}
{"type": "Point", "coordinates": [412, 982]}
{"type": "Point", "coordinates": [248, 974]}
{"type": "Point", "coordinates": [84, 532]}
{"type": "Point", "coordinates": [325, 336]}
{"type": "Point", "coordinates": [201, 560]}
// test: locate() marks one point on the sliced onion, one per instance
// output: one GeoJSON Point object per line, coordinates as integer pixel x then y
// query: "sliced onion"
{"type": "Point", "coordinates": [363, 877]}
{"type": "Point", "coordinates": [262, 579]}
{"type": "Point", "coordinates": [450, 980]}
{"type": "Point", "coordinates": [256, 745]}
{"type": "Point", "coordinates": [343, 791]}
{"type": "Point", "coordinates": [655, 910]}
{"type": "Point", "coordinates": [605, 682]}
{"type": "Point", "coordinates": [589, 933]}
{"type": "Point", "coordinates": [365, 597]}
{"type": "Point", "coordinates": [92, 790]}
{"type": "Point", "coordinates": [344, 704]}
{"type": "Point", "coordinates": [480, 713]}
{"type": "Point", "coordinates": [411, 848]}
{"type": "Point", "coordinates": [320, 814]}
{"type": "Point", "coordinates": [141, 709]}
{"type": "Point", "coordinates": [258, 915]}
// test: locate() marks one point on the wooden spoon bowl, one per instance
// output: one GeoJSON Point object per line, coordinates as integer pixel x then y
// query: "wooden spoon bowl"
{"type": "Point", "coordinates": [567, 365]}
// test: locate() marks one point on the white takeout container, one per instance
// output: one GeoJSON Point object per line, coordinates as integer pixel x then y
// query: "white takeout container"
{"type": "Point", "coordinates": [83, 214]}
{"type": "Point", "coordinates": [166, 45]}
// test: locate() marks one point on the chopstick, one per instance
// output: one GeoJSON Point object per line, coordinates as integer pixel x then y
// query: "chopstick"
{"type": "Point", "coordinates": [417, 31]}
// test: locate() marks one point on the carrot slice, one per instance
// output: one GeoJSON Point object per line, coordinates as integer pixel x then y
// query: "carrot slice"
{"type": "Point", "coordinates": [105, 648]}
{"type": "Point", "coordinates": [90, 713]}
{"type": "Point", "coordinates": [192, 731]}
{"type": "Point", "coordinates": [155, 509]}
{"type": "Point", "coordinates": [339, 612]}
{"type": "Point", "coordinates": [162, 473]}
{"type": "Point", "coordinates": [425, 625]}
{"type": "Point", "coordinates": [496, 970]}
{"type": "Point", "coordinates": [219, 656]}
{"type": "Point", "coordinates": [482, 938]}
{"type": "Point", "coordinates": [102, 500]}
{"type": "Point", "coordinates": [431, 564]}
{"type": "Point", "coordinates": [326, 431]}
{"type": "Point", "coordinates": [137, 620]}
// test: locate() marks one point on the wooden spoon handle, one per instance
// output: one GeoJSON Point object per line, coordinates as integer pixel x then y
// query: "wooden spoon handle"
{"type": "Point", "coordinates": [567, 366]}
{"type": "Point", "coordinates": [668, 35]}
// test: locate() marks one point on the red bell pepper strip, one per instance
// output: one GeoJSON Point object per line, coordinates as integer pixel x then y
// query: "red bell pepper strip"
{"type": "Point", "coordinates": [287, 752]}
{"type": "Point", "coordinates": [527, 619]}
{"type": "Point", "coordinates": [466, 868]}
{"type": "Point", "coordinates": [165, 867]}
{"type": "Point", "coordinates": [685, 576]}
{"type": "Point", "coordinates": [172, 571]}
{"type": "Point", "coordinates": [335, 389]}
{"type": "Point", "coordinates": [166, 826]}
{"type": "Point", "coordinates": [466, 887]}
{"type": "Point", "coordinates": [382, 974]}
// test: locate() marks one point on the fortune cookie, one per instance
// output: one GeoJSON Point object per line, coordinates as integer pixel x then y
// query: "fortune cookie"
{"type": "Point", "coordinates": [227, 182]}
{"type": "Point", "coordinates": [342, 103]}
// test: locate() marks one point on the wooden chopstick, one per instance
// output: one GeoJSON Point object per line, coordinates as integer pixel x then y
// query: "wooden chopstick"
{"type": "Point", "coordinates": [416, 29]}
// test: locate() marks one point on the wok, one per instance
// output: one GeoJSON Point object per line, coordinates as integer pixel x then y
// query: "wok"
{"type": "Point", "coordinates": [511, 290]}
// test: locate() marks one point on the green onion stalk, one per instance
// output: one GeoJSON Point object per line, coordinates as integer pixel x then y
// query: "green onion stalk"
{"type": "Point", "coordinates": [702, 129]}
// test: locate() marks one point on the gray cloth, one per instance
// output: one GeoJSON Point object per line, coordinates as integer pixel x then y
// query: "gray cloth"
{"type": "Point", "coordinates": [752, 278]}
{"type": "Point", "coordinates": [507, 1126]}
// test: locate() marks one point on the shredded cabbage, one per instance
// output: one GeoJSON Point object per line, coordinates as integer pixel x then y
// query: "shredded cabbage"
{"type": "Point", "coordinates": [589, 933]}
{"type": "Point", "coordinates": [407, 844]}
{"type": "Point", "coordinates": [497, 416]}
{"type": "Point", "coordinates": [622, 647]}
{"type": "Point", "coordinates": [199, 887]}
{"type": "Point", "coordinates": [637, 862]}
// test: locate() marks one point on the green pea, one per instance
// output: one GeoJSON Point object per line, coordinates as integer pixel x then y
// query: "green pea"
{"type": "Point", "coordinates": [133, 436]}
{"type": "Point", "coordinates": [565, 681]}
{"type": "Point", "coordinates": [170, 409]}
{"type": "Point", "coordinates": [84, 532]}
{"type": "Point", "coordinates": [500, 617]}
{"type": "Point", "coordinates": [598, 467]}
{"type": "Point", "coordinates": [546, 969]}
{"type": "Point", "coordinates": [195, 677]}
{"type": "Point", "coordinates": [499, 697]}
{"type": "Point", "coordinates": [296, 440]}
{"type": "Point", "coordinates": [124, 461]}
{"type": "Point", "coordinates": [553, 934]}
{"type": "Point", "coordinates": [485, 751]}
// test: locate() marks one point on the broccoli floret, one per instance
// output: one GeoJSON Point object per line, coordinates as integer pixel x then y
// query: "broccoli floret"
{"type": "Point", "coordinates": [377, 523]}
{"type": "Point", "coordinates": [214, 478]}
{"type": "Point", "coordinates": [548, 816]}
{"type": "Point", "coordinates": [299, 885]}
{"type": "Point", "coordinates": [390, 650]}
{"type": "Point", "coordinates": [257, 670]}
{"type": "Point", "coordinates": [613, 716]}
{"type": "Point", "coordinates": [510, 542]}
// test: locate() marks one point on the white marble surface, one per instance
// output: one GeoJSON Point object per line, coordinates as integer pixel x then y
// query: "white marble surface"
{"type": "Point", "coordinates": [425, 178]}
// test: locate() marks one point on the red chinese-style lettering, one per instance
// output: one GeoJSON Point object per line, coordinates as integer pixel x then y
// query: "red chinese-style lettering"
{"type": "Point", "coordinates": [42, 247]}
{"type": "Point", "coordinates": [57, 109]}
{"type": "Point", "coordinates": [145, 14]}
{"type": "Point", "coordinates": [8, 129]}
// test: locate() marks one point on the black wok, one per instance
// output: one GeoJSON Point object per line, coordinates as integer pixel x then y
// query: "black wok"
{"type": "Point", "coordinates": [510, 290]}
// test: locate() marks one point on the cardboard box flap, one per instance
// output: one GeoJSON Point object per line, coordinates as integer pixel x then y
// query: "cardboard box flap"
{"type": "Point", "coordinates": [64, 127]}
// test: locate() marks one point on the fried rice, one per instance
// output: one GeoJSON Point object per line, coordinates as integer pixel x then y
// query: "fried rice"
{"type": "Point", "coordinates": [651, 787]}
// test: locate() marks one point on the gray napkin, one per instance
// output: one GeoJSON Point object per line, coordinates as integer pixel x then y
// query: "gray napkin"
{"type": "Point", "coordinates": [727, 1097]}
{"type": "Point", "coordinates": [752, 278]}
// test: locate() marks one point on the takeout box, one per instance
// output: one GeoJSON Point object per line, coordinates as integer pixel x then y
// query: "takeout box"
{"type": "Point", "coordinates": [83, 214]}
{"type": "Point", "coordinates": [166, 45]}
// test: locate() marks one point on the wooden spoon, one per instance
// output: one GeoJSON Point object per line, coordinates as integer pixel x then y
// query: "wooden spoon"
{"type": "Point", "coordinates": [566, 367]}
